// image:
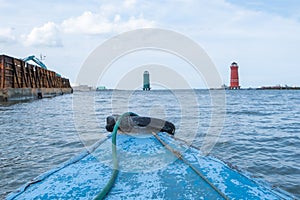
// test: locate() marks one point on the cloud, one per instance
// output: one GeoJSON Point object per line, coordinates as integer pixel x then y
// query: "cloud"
{"type": "Point", "coordinates": [129, 3]}
{"type": "Point", "coordinates": [92, 23]}
{"type": "Point", "coordinates": [46, 35]}
{"type": "Point", "coordinates": [110, 19]}
{"type": "Point", "coordinates": [6, 35]}
{"type": "Point", "coordinates": [88, 23]}
{"type": "Point", "coordinates": [134, 23]}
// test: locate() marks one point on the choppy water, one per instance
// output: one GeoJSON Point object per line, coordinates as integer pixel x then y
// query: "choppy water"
{"type": "Point", "coordinates": [260, 136]}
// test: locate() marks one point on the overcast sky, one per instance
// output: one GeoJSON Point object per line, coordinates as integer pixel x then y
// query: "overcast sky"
{"type": "Point", "coordinates": [262, 36]}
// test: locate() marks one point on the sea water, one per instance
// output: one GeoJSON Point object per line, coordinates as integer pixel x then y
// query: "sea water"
{"type": "Point", "coordinates": [258, 131]}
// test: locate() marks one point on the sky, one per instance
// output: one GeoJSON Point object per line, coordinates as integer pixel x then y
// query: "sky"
{"type": "Point", "coordinates": [262, 36]}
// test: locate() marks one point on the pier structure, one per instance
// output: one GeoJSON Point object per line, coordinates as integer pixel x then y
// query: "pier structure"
{"type": "Point", "coordinates": [21, 80]}
{"type": "Point", "coordinates": [146, 81]}
{"type": "Point", "coordinates": [234, 77]}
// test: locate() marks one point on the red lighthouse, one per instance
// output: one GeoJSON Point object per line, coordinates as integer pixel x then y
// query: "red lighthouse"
{"type": "Point", "coordinates": [234, 77]}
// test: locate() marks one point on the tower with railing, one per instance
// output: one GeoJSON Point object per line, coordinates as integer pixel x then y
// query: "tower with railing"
{"type": "Point", "coordinates": [234, 77]}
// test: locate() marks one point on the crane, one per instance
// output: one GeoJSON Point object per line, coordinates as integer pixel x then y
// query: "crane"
{"type": "Point", "coordinates": [38, 62]}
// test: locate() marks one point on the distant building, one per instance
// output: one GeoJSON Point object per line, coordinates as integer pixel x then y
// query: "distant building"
{"type": "Point", "coordinates": [82, 88]}
{"type": "Point", "coordinates": [234, 77]}
{"type": "Point", "coordinates": [101, 87]}
{"type": "Point", "coordinates": [146, 81]}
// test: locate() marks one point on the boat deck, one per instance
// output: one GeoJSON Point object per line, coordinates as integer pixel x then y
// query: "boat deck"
{"type": "Point", "coordinates": [147, 171]}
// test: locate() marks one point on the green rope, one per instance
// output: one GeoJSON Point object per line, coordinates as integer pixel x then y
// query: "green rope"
{"type": "Point", "coordinates": [115, 172]}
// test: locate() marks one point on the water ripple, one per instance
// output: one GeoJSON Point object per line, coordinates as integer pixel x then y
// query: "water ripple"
{"type": "Point", "coordinates": [260, 135]}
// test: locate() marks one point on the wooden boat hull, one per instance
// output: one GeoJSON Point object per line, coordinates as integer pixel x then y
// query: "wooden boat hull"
{"type": "Point", "coordinates": [147, 171]}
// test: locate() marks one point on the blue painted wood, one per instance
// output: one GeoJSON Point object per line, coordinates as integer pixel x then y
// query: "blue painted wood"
{"type": "Point", "coordinates": [147, 171]}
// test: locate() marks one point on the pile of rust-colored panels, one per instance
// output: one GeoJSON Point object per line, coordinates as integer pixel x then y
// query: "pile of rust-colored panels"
{"type": "Point", "coordinates": [20, 81]}
{"type": "Point", "coordinates": [15, 73]}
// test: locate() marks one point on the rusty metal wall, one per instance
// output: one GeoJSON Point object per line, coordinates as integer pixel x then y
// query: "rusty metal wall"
{"type": "Point", "coordinates": [15, 73]}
